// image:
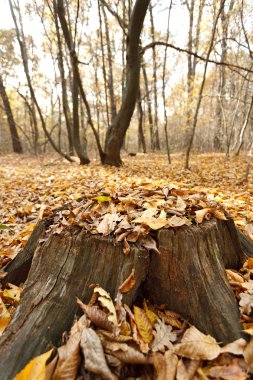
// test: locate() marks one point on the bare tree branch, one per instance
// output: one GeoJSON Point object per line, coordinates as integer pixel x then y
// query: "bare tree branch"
{"type": "Point", "coordinates": [220, 63]}
{"type": "Point", "coordinates": [121, 22]}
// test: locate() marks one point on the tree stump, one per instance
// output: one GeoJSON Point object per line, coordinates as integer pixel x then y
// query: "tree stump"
{"type": "Point", "coordinates": [189, 276]}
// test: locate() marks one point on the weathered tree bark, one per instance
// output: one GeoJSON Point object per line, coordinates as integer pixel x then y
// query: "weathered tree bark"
{"type": "Point", "coordinates": [243, 128]}
{"type": "Point", "coordinates": [164, 88]}
{"type": "Point", "coordinates": [103, 62]}
{"type": "Point", "coordinates": [65, 103]}
{"type": "Point", "coordinates": [149, 106]}
{"type": "Point", "coordinates": [156, 140]}
{"type": "Point", "coordinates": [110, 66]}
{"type": "Point", "coordinates": [16, 144]}
{"type": "Point", "coordinates": [141, 136]}
{"type": "Point", "coordinates": [188, 276]}
{"type": "Point", "coordinates": [62, 269]}
{"type": "Point", "coordinates": [75, 68]}
{"type": "Point", "coordinates": [116, 132]}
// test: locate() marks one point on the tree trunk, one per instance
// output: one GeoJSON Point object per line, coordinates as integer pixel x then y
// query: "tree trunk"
{"type": "Point", "coordinates": [164, 88]}
{"type": "Point", "coordinates": [76, 123]}
{"type": "Point", "coordinates": [23, 50]}
{"type": "Point", "coordinates": [65, 103]}
{"type": "Point", "coordinates": [243, 129]}
{"type": "Point", "coordinates": [116, 133]}
{"type": "Point", "coordinates": [110, 71]}
{"type": "Point", "coordinates": [65, 264]}
{"type": "Point", "coordinates": [141, 136]}
{"type": "Point", "coordinates": [103, 63]}
{"type": "Point", "coordinates": [16, 144]}
{"type": "Point", "coordinates": [76, 73]}
{"type": "Point", "coordinates": [149, 106]}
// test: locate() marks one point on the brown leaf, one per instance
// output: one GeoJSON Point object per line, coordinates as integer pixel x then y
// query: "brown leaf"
{"type": "Point", "coordinates": [97, 316]}
{"type": "Point", "coordinates": [236, 348]}
{"type": "Point", "coordinates": [177, 221]}
{"type": "Point", "coordinates": [125, 352]}
{"type": "Point", "coordinates": [196, 345]}
{"type": "Point", "coordinates": [180, 205]}
{"type": "Point", "coordinates": [171, 361]}
{"type": "Point", "coordinates": [200, 214]}
{"type": "Point", "coordinates": [246, 302]}
{"type": "Point", "coordinates": [248, 353]}
{"type": "Point", "coordinates": [129, 283]}
{"type": "Point", "coordinates": [94, 357]}
{"type": "Point", "coordinates": [182, 373]}
{"type": "Point", "coordinates": [126, 247]}
{"type": "Point", "coordinates": [149, 243]}
{"type": "Point", "coordinates": [108, 223]}
{"type": "Point", "coordinates": [228, 372]}
{"type": "Point", "coordinates": [69, 354]}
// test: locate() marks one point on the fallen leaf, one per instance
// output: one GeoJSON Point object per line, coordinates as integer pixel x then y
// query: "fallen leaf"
{"type": "Point", "coordinates": [246, 303]}
{"type": "Point", "coordinates": [125, 352]}
{"type": "Point", "coordinates": [4, 317]}
{"type": "Point", "coordinates": [129, 283]}
{"type": "Point", "coordinates": [163, 336]}
{"type": "Point", "coordinates": [236, 348]}
{"type": "Point", "coordinates": [177, 221]}
{"type": "Point", "coordinates": [150, 244]}
{"type": "Point", "coordinates": [97, 316]}
{"type": "Point", "coordinates": [196, 345]}
{"type": "Point", "coordinates": [108, 223]}
{"type": "Point", "coordinates": [94, 357]}
{"type": "Point", "coordinates": [35, 369]}
{"type": "Point", "coordinates": [106, 301]}
{"type": "Point", "coordinates": [126, 247]}
{"type": "Point", "coordinates": [200, 214]}
{"type": "Point", "coordinates": [143, 324]}
{"type": "Point", "coordinates": [69, 354]}
{"type": "Point", "coordinates": [228, 372]}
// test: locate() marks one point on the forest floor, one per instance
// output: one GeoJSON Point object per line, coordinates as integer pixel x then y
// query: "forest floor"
{"type": "Point", "coordinates": [34, 187]}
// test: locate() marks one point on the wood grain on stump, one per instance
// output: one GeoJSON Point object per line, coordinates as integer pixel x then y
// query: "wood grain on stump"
{"type": "Point", "coordinates": [189, 276]}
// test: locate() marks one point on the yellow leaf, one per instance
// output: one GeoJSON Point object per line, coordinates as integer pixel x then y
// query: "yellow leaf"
{"type": "Point", "coordinates": [13, 293]}
{"type": "Point", "coordinates": [150, 314]}
{"type": "Point", "coordinates": [35, 369]}
{"type": "Point", "coordinates": [4, 317]}
{"type": "Point", "coordinates": [143, 324]}
{"type": "Point", "coordinates": [102, 198]}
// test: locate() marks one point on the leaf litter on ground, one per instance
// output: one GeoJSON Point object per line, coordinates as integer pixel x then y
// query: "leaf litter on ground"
{"type": "Point", "coordinates": [128, 203]}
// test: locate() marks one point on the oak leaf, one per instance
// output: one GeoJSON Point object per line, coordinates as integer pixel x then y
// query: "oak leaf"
{"type": "Point", "coordinates": [163, 336]}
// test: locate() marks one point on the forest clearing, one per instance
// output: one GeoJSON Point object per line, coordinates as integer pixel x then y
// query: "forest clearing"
{"type": "Point", "coordinates": [126, 190]}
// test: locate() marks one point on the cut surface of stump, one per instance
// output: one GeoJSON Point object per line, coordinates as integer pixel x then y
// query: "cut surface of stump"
{"type": "Point", "coordinates": [189, 276]}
